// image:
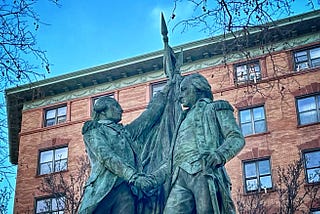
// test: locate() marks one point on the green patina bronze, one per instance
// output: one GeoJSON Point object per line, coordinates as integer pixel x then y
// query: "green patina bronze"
{"type": "Point", "coordinates": [168, 160]}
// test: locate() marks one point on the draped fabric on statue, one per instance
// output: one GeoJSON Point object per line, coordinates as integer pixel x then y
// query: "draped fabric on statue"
{"type": "Point", "coordinates": [157, 147]}
{"type": "Point", "coordinates": [158, 140]}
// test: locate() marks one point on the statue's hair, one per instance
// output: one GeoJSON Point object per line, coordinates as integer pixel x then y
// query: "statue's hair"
{"type": "Point", "coordinates": [101, 105]}
{"type": "Point", "coordinates": [200, 83]}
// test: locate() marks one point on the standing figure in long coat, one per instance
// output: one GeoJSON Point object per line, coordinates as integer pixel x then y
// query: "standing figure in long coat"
{"type": "Point", "coordinates": [115, 181]}
{"type": "Point", "coordinates": [206, 137]}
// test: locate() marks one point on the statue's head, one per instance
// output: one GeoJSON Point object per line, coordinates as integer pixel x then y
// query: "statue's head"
{"type": "Point", "coordinates": [192, 88]}
{"type": "Point", "coordinates": [107, 108]}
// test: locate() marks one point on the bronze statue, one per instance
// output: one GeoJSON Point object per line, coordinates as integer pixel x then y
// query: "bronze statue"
{"type": "Point", "coordinates": [206, 137]}
{"type": "Point", "coordinates": [168, 160]}
{"type": "Point", "coordinates": [116, 182]}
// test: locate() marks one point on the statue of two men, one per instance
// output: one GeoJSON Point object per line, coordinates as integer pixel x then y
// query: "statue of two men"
{"type": "Point", "coordinates": [167, 160]}
{"type": "Point", "coordinates": [206, 137]}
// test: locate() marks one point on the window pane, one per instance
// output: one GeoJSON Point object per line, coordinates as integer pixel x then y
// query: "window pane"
{"type": "Point", "coordinates": [260, 126]}
{"type": "Point", "coordinates": [61, 119]}
{"type": "Point", "coordinates": [46, 156]}
{"type": "Point", "coordinates": [265, 182]}
{"type": "Point", "coordinates": [313, 175]}
{"type": "Point", "coordinates": [302, 66]}
{"type": "Point", "coordinates": [62, 111]}
{"type": "Point", "coordinates": [58, 204]}
{"type": "Point", "coordinates": [250, 170]}
{"type": "Point", "coordinates": [46, 168]}
{"type": "Point", "coordinates": [242, 73]}
{"type": "Point", "coordinates": [61, 153]}
{"type": "Point", "coordinates": [43, 206]}
{"type": "Point", "coordinates": [312, 159]}
{"type": "Point", "coordinates": [50, 122]}
{"type": "Point", "coordinates": [264, 167]}
{"type": "Point", "coordinates": [306, 104]}
{"type": "Point", "coordinates": [50, 114]}
{"type": "Point", "coordinates": [245, 116]}
{"type": "Point", "coordinates": [315, 62]}
{"type": "Point", "coordinates": [155, 88]}
{"type": "Point", "coordinates": [252, 184]}
{"type": "Point", "coordinates": [61, 165]}
{"type": "Point", "coordinates": [241, 70]}
{"type": "Point", "coordinates": [308, 117]}
{"type": "Point", "coordinates": [315, 53]}
{"type": "Point", "coordinates": [301, 56]}
{"type": "Point", "coordinates": [258, 113]}
{"type": "Point", "coordinates": [246, 129]}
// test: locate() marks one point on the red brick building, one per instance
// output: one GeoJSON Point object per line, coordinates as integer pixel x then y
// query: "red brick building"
{"type": "Point", "coordinates": [275, 90]}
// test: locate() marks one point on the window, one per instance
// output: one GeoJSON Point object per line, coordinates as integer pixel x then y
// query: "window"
{"type": "Point", "coordinates": [315, 211]}
{"type": "Point", "coordinates": [257, 175]}
{"type": "Point", "coordinates": [55, 205]}
{"type": "Point", "coordinates": [55, 116]}
{"type": "Point", "coordinates": [156, 87]}
{"type": "Point", "coordinates": [54, 160]}
{"type": "Point", "coordinates": [312, 166]}
{"type": "Point", "coordinates": [252, 121]}
{"type": "Point", "coordinates": [308, 109]}
{"type": "Point", "coordinates": [94, 100]}
{"type": "Point", "coordinates": [307, 58]}
{"type": "Point", "coordinates": [249, 72]}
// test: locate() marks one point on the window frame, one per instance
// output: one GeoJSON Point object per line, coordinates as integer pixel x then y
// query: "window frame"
{"type": "Point", "coordinates": [56, 115]}
{"type": "Point", "coordinates": [317, 108]}
{"type": "Point", "coordinates": [51, 198]}
{"type": "Point", "coordinates": [308, 168]}
{"type": "Point", "coordinates": [308, 62]}
{"type": "Point", "coordinates": [257, 74]}
{"type": "Point", "coordinates": [53, 160]}
{"type": "Point", "coordinates": [258, 175]}
{"type": "Point", "coordinates": [252, 120]}
{"type": "Point", "coordinates": [152, 86]}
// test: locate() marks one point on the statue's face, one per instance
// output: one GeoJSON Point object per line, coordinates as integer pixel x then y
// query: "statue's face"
{"type": "Point", "coordinates": [114, 112]}
{"type": "Point", "coordinates": [188, 94]}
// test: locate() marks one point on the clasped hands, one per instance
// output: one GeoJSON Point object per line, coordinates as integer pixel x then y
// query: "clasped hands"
{"type": "Point", "coordinates": [147, 183]}
{"type": "Point", "coordinates": [211, 159]}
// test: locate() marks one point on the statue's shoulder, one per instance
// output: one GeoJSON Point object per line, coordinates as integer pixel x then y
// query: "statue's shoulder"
{"type": "Point", "coordinates": [221, 105]}
{"type": "Point", "coordinates": [89, 125]}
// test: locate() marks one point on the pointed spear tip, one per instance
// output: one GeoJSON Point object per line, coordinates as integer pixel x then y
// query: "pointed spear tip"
{"type": "Point", "coordinates": [164, 30]}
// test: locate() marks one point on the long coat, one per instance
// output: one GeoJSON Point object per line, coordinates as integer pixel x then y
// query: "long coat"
{"type": "Point", "coordinates": [113, 151]}
{"type": "Point", "coordinates": [216, 131]}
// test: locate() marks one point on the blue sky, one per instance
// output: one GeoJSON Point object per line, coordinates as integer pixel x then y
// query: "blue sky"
{"type": "Point", "coordinates": [82, 34]}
